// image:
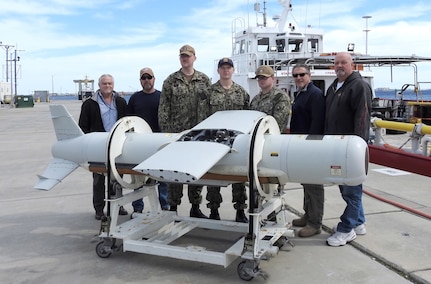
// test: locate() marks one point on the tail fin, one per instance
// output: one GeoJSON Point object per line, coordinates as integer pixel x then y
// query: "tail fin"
{"type": "Point", "coordinates": [56, 171]}
{"type": "Point", "coordinates": [65, 128]}
{"type": "Point", "coordinates": [64, 124]}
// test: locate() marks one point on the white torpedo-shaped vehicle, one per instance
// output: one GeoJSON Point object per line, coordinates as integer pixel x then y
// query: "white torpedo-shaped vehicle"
{"type": "Point", "coordinates": [227, 147]}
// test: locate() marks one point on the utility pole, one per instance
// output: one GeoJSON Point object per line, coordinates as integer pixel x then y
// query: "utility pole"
{"type": "Point", "coordinates": [14, 60]}
{"type": "Point", "coordinates": [366, 33]}
{"type": "Point", "coordinates": [6, 47]}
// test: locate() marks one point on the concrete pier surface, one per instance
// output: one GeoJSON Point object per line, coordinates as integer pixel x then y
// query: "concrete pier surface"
{"type": "Point", "coordinates": [50, 236]}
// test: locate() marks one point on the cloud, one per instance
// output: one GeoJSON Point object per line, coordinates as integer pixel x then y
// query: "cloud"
{"type": "Point", "coordinates": [66, 40]}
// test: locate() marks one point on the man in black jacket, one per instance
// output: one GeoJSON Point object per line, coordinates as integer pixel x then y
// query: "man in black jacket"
{"type": "Point", "coordinates": [308, 116]}
{"type": "Point", "coordinates": [348, 111]}
{"type": "Point", "coordinates": [98, 114]}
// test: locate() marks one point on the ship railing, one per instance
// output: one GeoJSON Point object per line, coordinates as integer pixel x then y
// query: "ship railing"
{"type": "Point", "coordinates": [418, 131]}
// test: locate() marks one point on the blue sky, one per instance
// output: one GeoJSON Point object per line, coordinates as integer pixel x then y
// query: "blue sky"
{"type": "Point", "coordinates": [62, 40]}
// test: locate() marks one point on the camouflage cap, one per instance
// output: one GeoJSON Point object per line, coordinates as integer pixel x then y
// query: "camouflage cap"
{"type": "Point", "coordinates": [187, 50]}
{"type": "Point", "coordinates": [265, 71]}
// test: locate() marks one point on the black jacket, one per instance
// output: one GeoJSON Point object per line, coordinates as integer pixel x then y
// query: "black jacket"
{"type": "Point", "coordinates": [90, 119]}
{"type": "Point", "coordinates": [348, 109]}
{"type": "Point", "coordinates": [308, 111]}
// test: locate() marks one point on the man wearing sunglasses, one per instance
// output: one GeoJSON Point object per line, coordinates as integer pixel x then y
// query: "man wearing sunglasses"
{"type": "Point", "coordinates": [182, 94]}
{"type": "Point", "coordinates": [308, 116]}
{"type": "Point", "coordinates": [145, 104]}
{"type": "Point", "coordinates": [271, 100]}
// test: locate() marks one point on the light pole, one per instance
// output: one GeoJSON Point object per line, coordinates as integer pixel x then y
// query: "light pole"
{"type": "Point", "coordinates": [17, 58]}
{"type": "Point", "coordinates": [366, 33]}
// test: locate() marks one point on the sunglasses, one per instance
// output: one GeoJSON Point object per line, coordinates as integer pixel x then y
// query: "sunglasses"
{"type": "Point", "coordinates": [146, 77]}
{"type": "Point", "coordinates": [299, 74]}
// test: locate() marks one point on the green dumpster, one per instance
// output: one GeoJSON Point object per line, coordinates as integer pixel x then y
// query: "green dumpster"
{"type": "Point", "coordinates": [24, 101]}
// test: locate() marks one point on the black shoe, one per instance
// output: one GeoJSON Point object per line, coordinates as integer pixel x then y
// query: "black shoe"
{"type": "Point", "coordinates": [240, 216]}
{"type": "Point", "coordinates": [99, 215]}
{"type": "Point", "coordinates": [122, 211]}
{"type": "Point", "coordinates": [214, 214]}
{"type": "Point", "coordinates": [173, 208]}
{"type": "Point", "coordinates": [196, 212]}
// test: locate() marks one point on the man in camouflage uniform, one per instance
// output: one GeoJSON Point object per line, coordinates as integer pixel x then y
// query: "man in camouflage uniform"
{"type": "Point", "coordinates": [271, 100]}
{"type": "Point", "coordinates": [182, 93]}
{"type": "Point", "coordinates": [225, 94]}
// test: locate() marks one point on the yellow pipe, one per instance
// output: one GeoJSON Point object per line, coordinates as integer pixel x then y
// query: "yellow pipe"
{"type": "Point", "coordinates": [401, 126]}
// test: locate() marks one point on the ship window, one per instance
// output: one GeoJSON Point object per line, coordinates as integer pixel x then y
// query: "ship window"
{"type": "Point", "coordinates": [237, 47]}
{"type": "Point", "coordinates": [242, 48]}
{"type": "Point", "coordinates": [295, 45]}
{"type": "Point", "coordinates": [263, 44]}
{"type": "Point", "coordinates": [281, 43]}
{"type": "Point", "coordinates": [313, 45]}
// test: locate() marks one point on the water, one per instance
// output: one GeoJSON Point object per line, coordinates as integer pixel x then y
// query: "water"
{"type": "Point", "coordinates": [424, 95]}
{"type": "Point", "coordinates": [383, 94]}
{"type": "Point", "coordinates": [74, 97]}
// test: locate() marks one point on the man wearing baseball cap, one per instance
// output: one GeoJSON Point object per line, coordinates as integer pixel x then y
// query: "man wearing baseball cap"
{"type": "Point", "coordinates": [182, 93]}
{"type": "Point", "coordinates": [145, 104]}
{"type": "Point", "coordinates": [225, 94]}
{"type": "Point", "coordinates": [187, 50]}
{"type": "Point", "coordinates": [271, 100]}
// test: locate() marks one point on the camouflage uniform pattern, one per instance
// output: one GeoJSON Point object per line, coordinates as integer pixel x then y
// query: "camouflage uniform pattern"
{"type": "Point", "coordinates": [236, 98]}
{"type": "Point", "coordinates": [178, 111]}
{"type": "Point", "coordinates": [275, 103]}
{"type": "Point", "coordinates": [180, 101]}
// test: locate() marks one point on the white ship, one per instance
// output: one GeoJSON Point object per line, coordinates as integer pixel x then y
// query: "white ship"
{"type": "Point", "coordinates": [284, 44]}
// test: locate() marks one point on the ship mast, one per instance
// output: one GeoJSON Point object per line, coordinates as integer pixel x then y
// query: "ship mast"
{"type": "Point", "coordinates": [287, 8]}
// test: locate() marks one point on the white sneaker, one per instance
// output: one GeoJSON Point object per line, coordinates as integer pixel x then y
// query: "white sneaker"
{"type": "Point", "coordinates": [360, 230]}
{"type": "Point", "coordinates": [340, 239]}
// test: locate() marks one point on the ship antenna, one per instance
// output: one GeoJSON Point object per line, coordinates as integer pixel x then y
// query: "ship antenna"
{"type": "Point", "coordinates": [257, 10]}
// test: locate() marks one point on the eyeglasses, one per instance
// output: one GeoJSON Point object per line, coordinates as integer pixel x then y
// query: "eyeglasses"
{"type": "Point", "coordinates": [299, 74]}
{"type": "Point", "coordinates": [146, 77]}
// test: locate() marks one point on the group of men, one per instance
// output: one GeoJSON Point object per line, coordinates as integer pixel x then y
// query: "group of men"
{"type": "Point", "coordinates": [101, 111]}
{"type": "Point", "coordinates": [188, 97]}
{"type": "Point", "coordinates": [345, 109]}
{"type": "Point", "coordinates": [198, 98]}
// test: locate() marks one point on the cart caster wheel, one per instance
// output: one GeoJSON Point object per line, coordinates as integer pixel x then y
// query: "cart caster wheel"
{"type": "Point", "coordinates": [243, 271]}
{"type": "Point", "coordinates": [281, 242]}
{"type": "Point", "coordinates": [104, 248]}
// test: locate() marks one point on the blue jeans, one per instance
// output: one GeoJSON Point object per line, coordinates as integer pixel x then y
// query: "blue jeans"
{"type": "Point", "coordinates": [353, 214]}
{"type": "Point", "coordinates": [138, 205]}
{"type": "Point", "coordinates": [163, 195]}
